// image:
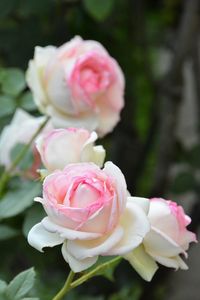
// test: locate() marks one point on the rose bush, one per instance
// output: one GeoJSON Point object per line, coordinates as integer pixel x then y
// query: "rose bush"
{"type": "Point", "coordinates": [20, 131]}
{"type": "Point", "coordinates": [60, 147]}
{"type": "Point", "coordinates": [167, 239]}
{"type": "Point", "coordinates": [90, 213]}
{"type": "Point", "coordinates": [78, 85]}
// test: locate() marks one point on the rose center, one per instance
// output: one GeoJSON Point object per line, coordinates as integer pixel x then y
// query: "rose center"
{"type": "Point", "coordinates": [84, 196]}
{"type": "Point", "coordinates": [93, 80]}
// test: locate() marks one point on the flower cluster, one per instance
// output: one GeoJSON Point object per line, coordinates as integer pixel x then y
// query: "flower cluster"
{"type": "Point", "coordinates": [88, 207]}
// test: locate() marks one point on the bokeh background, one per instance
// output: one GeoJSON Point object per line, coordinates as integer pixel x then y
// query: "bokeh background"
{"type": "Point", "coordinates": [156, 144]}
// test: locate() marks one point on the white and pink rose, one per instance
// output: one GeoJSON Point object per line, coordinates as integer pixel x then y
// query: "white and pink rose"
{"type": "Point", "coordinates": [60, 147]}
{"type": "Point", "coordinates": [90, 213]}
{"type": "Point", "coordinates": [166, 241]}
{"type": "Point", "coordinates": [78, 84]}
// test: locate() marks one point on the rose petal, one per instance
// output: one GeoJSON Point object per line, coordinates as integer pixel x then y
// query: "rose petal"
{"type": "Point", "coordinates": [39, 238]}
{"type": "Point", "coordinates": [75, 264]}
{"type": "Point", "coordinates": [66, 233]}
{"type": "Point", "coordinates": [99, 155]}
{"type": "Point", "coordinates": [160, 217]}
{"type": "Point", "coordinates": [157, 243]}
{"type": "Point", "coordinates": [93, 153]}
{"type": "Point", "coordinates": [136, 225]}
{"type": "Point", "coordinates": [115, 173]}
{"type": "Point", "coordinates": [172, 262]}
{"type": "Point", "coordinates": [142, 263]}
{"type": "Point", "coordinates": [142, 202]}
{"type": "Point", "coordinates": [87, 121]}
{"type": "Point", "coordinates": [84, 249]}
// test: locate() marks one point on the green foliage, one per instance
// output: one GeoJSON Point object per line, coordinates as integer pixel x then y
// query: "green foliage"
{"type": "Point", "coordinates": [27, 160]}
{"type": "Point", "coordinates": [3, 286]}
{"type": "Point", "coordinates": [127, 293]}
{"type": "Point", "coordinates": [12, 81]}
{"type": "Point", "coordinates": [15, 202]}
{"type": "Point", "coordinates": [7, 232]}
{"type": "Point", "coordinates": [34, 215]}
{"type": "Point", "coordinates": [108, 273]}
{"type": "Point", "coordinates": [20, 286]}
{"type": "Point", "coordinates": [7, 105]}
{"type": "Point", "coordinates": [26, 102]}
{"type": "Point", "coordinates": [99, 9]}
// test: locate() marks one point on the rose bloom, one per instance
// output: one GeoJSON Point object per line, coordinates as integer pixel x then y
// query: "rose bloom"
{"type": "Point", "coordinates": [20, 131]}
{"type": "Point", "coordinates": [60, 147]}
{"type": "Point", "coordinates": [89, 212]}
{"type": "Point", "coordinates": [78, 84]}
{"type": "Point", "coordinates": [167, 239]}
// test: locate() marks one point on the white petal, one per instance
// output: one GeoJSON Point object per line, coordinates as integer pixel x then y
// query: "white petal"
{"type": "Point", "coordinates": [67, 233]}
{"type": "Point", "coordinates": [142, 202]}
{"type": "Point", "coordinates": [172, 262]}
{"type": "Point", "coordinates": [34, 83]}
{"type": "Point", "coordinates": [136, 225]}
{"type": "Point", "coordinates": [100, 246]}
{"type": "Point", "coordinates": [93, 153]}
{"type": "Point", "coordinates": [157, 243]}
{"type": "Point", "coordinates": [99, 155]}
{"type": "Point", "coordinates": [87, 121]}
{"type": "Point", "coordinates": [115, 173]}
{"type": "Point", "coordinates": [39, 238]}
{"type": "Point", "coordinates": [75, 264]}
{"type": "Point", "coordinates": [182, 264]}
{"type": "Point", "coordinates": [142, 263]}
{"type": "Point", "coordinates": [160, 217]}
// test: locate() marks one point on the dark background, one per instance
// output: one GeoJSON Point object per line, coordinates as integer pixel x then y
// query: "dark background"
{"type": "Point", "coordinates": [157, 142]}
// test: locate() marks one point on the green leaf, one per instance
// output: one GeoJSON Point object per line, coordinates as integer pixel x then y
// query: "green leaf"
{"type": "Point", "coordinates": [26, 102]}
{"type": "Point", "coordinates": [34, 215]}
{"type": "Point", "coordinates": [27, 160]}
{"type": "Point", "coordinates": [21, 285]}
{"type": "Point", "coordinates": [3, 286]}
{"type": "Point", "coordinates": [7, 232]}
{"type": "Point", "coordinates": [99, 9]}
{"type": "Point", "coordinates": [107, 272]}
{"type": "Point", "coordinates": [7, 105]}
{"type": "Point", "coordinates": [15, 202]}
{"type": "Point", "coordinates": [13, 81]}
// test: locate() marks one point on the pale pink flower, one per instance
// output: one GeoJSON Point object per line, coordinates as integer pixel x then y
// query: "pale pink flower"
{"type": "Point", "coordinates": [78, 84]}
{"type": "Point", "coordinates": [89, 212]}
{"type": "Point", "coordinates": [60, 147]}
{"type": "Point", "coordinates": [166, 241]}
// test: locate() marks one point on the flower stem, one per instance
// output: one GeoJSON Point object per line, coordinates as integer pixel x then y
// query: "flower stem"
{"type": "Point", "coordinates": [98, 270]}
{"type": "Point", "coordinates": [65, 288]}
{"type": "Point", "coordinates": [7, 173]}
{"type": "Point", "coordinates": [69, 285]}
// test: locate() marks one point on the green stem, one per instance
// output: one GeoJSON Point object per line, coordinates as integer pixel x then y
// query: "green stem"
{"type": "Point", "coordinates": [99, 269]}
{"type": "Point", "coordinates": [65, 288]}
{"type": "Point", "coordinates": [69, 285]}
{"type": "Point", "coordinates": [7, 174]}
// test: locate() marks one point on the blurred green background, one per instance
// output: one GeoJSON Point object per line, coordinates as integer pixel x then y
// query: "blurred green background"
{"type": "Point", "coordinates": [157, 142]}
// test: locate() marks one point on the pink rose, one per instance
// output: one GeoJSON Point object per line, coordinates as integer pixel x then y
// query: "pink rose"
{"type": "Point", "coordinates": [78, 84]}
{"type": "Point", "coordinates": [61, 147]}
{"type": "Point", "coordinates": [167, 239]}
{"type": "Point", "coordinates": [20, 131]}
{"type": "Point", "coordinates": [88, 211]}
